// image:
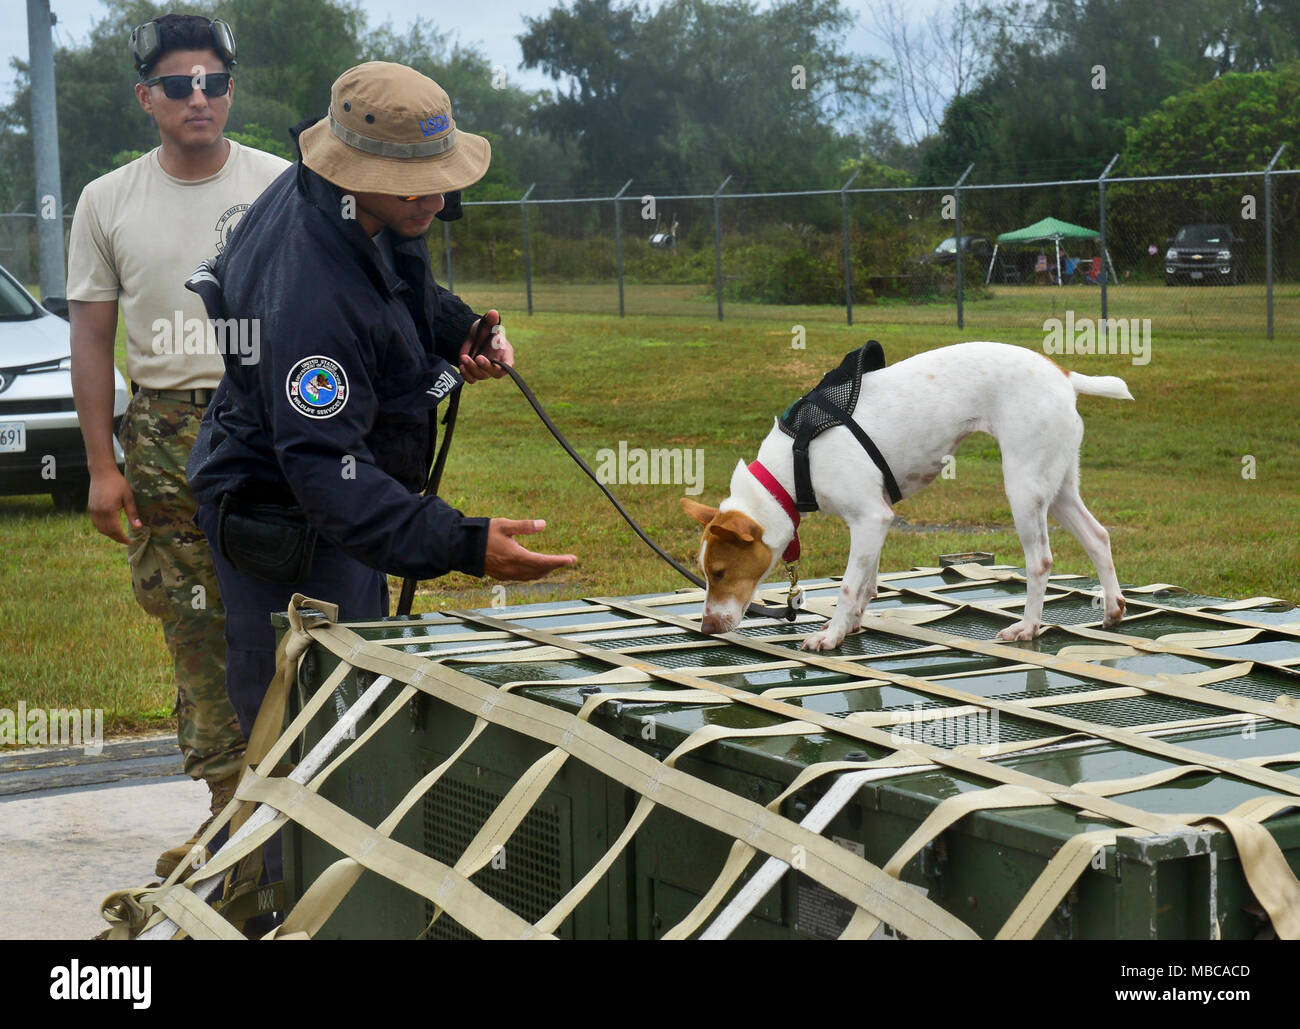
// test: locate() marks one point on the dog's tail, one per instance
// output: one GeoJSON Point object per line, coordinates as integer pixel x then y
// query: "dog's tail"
{"type": "Point", "coordinates": [1100, 386]}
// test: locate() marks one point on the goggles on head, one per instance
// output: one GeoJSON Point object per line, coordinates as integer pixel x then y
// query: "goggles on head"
{"type": "Point", "coordinates": [146, 44]}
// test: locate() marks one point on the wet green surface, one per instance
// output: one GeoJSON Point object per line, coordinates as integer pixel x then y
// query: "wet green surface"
{"type": "Point", "coordinates": [992, 857]}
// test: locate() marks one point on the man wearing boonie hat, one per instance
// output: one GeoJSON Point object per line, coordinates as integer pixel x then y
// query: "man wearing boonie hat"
{"type": "Point", "coordinates": [312, 455]}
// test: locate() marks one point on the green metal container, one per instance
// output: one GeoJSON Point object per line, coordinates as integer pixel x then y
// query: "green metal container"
{"type": "Point", "coordinates": [1184, 884]}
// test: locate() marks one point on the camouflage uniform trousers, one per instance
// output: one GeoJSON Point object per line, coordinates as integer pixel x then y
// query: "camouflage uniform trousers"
{"type": "Point", "coordinates": [173, 578]}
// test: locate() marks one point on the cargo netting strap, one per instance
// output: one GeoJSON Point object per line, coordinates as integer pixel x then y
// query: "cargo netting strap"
{"type": "Point", "coordinates": [273, 793]}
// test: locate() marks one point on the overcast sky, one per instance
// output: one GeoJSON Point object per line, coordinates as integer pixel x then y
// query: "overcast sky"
{"type": "Point", "coordinates": [493, 24]}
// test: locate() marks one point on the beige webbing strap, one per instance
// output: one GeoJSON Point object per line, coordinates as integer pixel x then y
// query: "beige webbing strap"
{"type": "Point", "coordinates": [1263, 864]}
{"type": "Point", "coordinates": [976, 572]}
{"type": "Point", "coordinates": [919, 752]}
{"type": "Point", "coordinates": [741, 853]}
{"type": "Point", "coordinates": [1055, 881]}
{"type": "Point", "coordinates": [193, 917]}
{"type": "Point", "coordinates": [1183, 687]}
{"type": "Point", "coordinates": [512, 810]}
{"type": "Point", "coordinates": [419, 873]}
{"type": "Point", "coordinates": [1249, 602]}
{"type": "Point", "coordinates": [1262, 859]}
{"type": "Point", "coordinates": [953, 808]}
{"type": "Point", "coordinates": [519, 800]}
{"type": "Point", "coordinates": [838, 870]}
{"type": "Point", "coordinates": [1211, 638]}
{"type": "Point", "coordinates": [1161, 776]}
{"type": "Point", "coordinates": [533, 655]}
{"type": "Point", "coordinates": [793, 692]}
{"type": "Point", "coordinates": [700, 737]}
{"type": "Point", "coordinates": [268, 727]}
{"type": "Point", "coordinates": [949, 811]}
{"type": "Point", "coordinates": [316, 905]}
{"type": "Point", "coordinates": [1270, 877]}
{"type": "Point", "coordinates": [127, 912]}
{"type": "Point", "coordinates": [1126, 737]}
{"type": "Point", "coordinates": [323, 897]}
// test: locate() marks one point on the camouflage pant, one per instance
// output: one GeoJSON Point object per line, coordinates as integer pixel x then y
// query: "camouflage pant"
{"type": "Point", "coordinates": [173, 578]}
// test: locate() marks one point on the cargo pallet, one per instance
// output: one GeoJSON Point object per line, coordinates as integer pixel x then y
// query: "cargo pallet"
{"type": "Point", "coordinates": [599, 769]}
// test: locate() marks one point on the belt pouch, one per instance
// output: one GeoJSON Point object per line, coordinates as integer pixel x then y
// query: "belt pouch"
{"type": "Point", "coordinates": [267, 541]}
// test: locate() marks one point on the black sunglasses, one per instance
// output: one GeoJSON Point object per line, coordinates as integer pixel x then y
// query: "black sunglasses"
{"type": "Point", "coordinates": [179, 87]}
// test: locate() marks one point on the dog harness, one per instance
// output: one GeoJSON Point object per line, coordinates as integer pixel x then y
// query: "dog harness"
{"type": "Point", "coordinates": [831, 402]}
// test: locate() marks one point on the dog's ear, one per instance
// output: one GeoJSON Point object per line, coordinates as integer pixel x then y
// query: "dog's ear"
{"type": "Point", "coordinates": [699, 512]}
{"type": "Point", "coordinates": [734, 526]}
{"type": "Point", "coordinates": [725, 532]}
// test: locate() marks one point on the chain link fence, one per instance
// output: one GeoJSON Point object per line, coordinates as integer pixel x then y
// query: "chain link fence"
{"type": "Point", "coordinates": [1215, 253]}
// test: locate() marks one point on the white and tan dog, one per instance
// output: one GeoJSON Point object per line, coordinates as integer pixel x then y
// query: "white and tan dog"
{"type": "Point", "coordinates": [916, 412]}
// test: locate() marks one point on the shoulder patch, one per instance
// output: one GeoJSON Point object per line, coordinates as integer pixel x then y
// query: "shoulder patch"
{"type": "Point", "coordinates": [317, 387]}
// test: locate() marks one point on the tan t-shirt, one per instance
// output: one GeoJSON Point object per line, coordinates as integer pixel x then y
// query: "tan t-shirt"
{"type": "Point", "coordinates": [138, 234]}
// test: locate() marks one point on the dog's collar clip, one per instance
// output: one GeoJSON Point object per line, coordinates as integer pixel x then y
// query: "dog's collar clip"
{"type": "Point", "coordinates": [794, 597]}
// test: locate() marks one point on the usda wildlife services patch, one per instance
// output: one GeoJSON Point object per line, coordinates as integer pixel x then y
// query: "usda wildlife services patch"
{"type": "Point", "coordinates": [317, 387]}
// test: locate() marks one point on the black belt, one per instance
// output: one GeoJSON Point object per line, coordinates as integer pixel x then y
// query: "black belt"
{"type": "Point", "coordinates": [201, 397]}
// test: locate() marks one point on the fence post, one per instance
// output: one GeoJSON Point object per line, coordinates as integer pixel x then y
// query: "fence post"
{"type": "Point", "coordinates": [1268, 236]}
{"type": "Point", "coordinates": [956, 194]}
{"type": "Point", "coordinates": [848, 264]}
{"type": "Point", "coordinates": [1101, 215]}
{"type": "Point", "coordinates": [528, 257]}
{"type": "Point", "coordinates": [446, 235]}
{"type": "Point", "coordinates": [717, 242]}
{"type": "Point", "coordinates": [618, 242]}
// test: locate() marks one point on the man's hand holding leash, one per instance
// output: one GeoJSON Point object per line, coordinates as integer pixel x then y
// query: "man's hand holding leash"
{"type": "Point", "coordinates": [485, 343]}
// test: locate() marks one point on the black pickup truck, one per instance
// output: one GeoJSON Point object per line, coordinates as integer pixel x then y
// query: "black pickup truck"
{"type": "Point", "coordinates": [1204, 254]}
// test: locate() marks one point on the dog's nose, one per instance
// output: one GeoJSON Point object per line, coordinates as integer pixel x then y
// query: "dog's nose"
{"type": "Point", "coordinates": [710, 625]}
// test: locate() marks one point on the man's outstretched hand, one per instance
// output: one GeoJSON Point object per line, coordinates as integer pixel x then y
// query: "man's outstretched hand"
{"type": "Point", "coordinates": [488, 338]}
{"type": "Point", "coordinates": [507, 560]}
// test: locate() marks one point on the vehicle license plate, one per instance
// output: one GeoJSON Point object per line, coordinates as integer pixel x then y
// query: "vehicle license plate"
{"type": "Point", "coordinates": [13, 437]}
{"type": "Point", "coordinates": [1198, 275]}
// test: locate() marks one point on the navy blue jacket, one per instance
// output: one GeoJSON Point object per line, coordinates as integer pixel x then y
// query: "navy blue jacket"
{"type": "Point", "coordinates": [335, 412]}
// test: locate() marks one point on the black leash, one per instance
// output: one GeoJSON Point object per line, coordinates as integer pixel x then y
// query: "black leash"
{"type": "Point", "coordinates": [788, 612]}
{"type": "Point", "coordinates": [407, 596]}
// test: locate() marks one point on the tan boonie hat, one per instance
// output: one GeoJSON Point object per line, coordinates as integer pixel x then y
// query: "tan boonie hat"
{"type": "Point", "coordinates": [390, 130]}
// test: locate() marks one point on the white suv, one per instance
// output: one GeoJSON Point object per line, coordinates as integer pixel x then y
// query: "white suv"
{"type": "Point", "coordinates": [41, 450]}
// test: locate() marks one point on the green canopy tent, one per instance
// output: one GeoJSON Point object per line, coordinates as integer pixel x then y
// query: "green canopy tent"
{"type": "Point", "coordinates": [1041, 231]}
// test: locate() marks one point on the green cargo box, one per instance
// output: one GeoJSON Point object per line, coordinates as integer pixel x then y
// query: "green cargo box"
{"type": "Point", "coordinates": [1181, 727]}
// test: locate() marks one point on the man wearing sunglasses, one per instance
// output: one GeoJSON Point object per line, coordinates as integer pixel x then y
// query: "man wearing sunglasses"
{"type": "Point", "coordinates": [138, 232]}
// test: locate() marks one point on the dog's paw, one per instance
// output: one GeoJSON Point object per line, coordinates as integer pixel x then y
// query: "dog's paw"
{"type": "Point", "coordinates": [1115, 614]}
{"type": "Point", "coordinates": [827, 639]}
{"type": "Point", "coordinates": [1019, 632]}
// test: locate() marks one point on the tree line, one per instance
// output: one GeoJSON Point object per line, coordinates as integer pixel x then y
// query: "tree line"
{"type": "Point", "coordinates": [682, 95]}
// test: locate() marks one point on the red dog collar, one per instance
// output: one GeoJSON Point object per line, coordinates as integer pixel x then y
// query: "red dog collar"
{"type": "Point", "coordinates": [783, 498]}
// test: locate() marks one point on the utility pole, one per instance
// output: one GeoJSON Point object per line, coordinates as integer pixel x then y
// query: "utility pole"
{"type": "Point", "coordinates": [45, 141]}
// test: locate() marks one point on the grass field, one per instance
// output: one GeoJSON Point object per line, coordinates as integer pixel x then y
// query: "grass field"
{"type": "Point", "coordinates": [1165, 474]}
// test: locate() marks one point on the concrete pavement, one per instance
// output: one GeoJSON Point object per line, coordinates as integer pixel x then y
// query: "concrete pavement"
{"type": "Point", "coordinates": [74, 829]}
